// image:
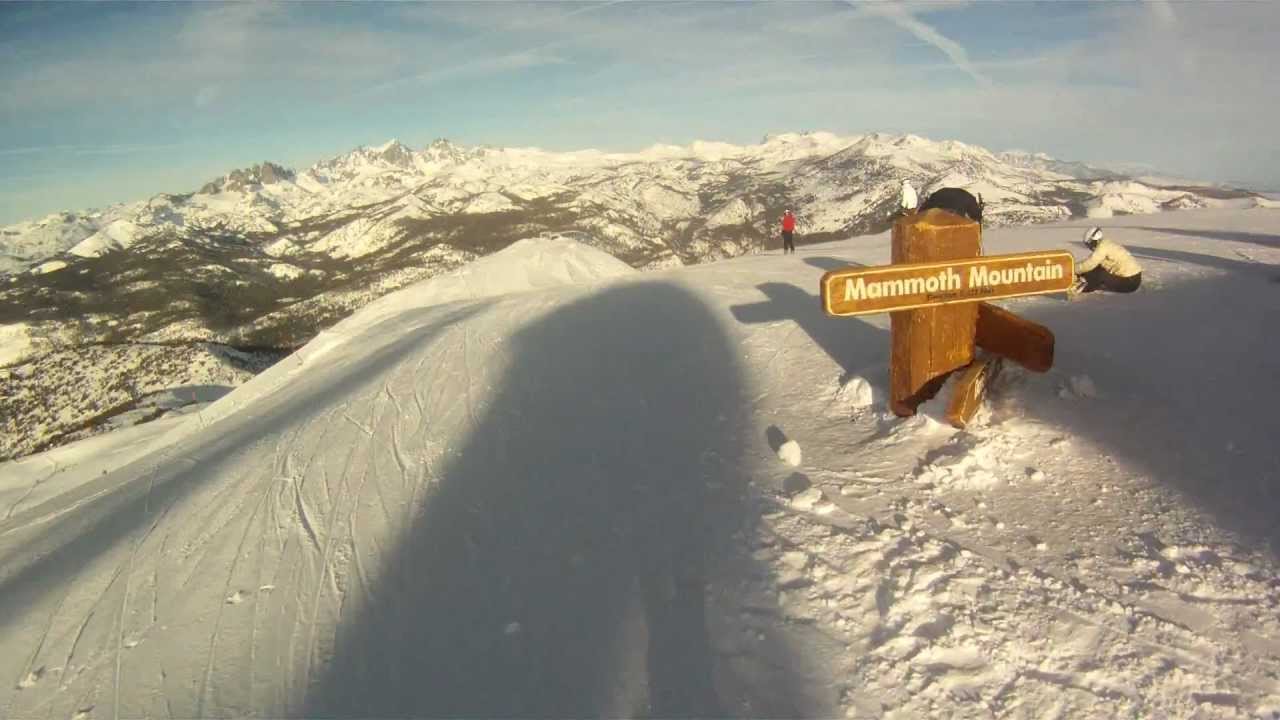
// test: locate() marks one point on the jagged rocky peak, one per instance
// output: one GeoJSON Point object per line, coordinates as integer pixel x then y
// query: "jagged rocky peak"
{"type": "Point", "coordinates": [264, 173]}
{"type": "Point", "coordinates": [394, 152]}
{"type": "Point", "coordinates": [443, 150]}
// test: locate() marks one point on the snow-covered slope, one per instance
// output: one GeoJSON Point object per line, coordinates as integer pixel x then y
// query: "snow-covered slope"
{"type": "Point", "coordinates": [566, 498]}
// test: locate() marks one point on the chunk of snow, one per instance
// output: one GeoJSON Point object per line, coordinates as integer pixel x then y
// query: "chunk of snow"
{"type": "Point", "coordinates": [30, 679]}
{"type": "Point", "coordinates": [1080, 386]}
{"type": "Point", "coordinates": [789, 453]}
{"type": "Point", "coordinates": [856, 393]}
{"type": "Point", "coordinates": [16, 343]}
{"type": "Point", "coordinates": [807, 500]}
{"type": "Point", "coordinates": [795, 559]}
{"type": "Point", "coordinates": [48, 267]}
{"type": "Point", "coordinates": [285, 271]}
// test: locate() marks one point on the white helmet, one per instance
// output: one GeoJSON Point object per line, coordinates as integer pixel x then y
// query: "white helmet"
{"type": "Point", "coordinates": [1092, 237]}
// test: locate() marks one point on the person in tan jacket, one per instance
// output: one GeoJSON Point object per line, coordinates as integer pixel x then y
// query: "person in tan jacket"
{"type": "Point", "coordinates": [1110, 267]}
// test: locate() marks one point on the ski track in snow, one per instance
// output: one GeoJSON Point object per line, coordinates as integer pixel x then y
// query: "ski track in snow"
{"type": "Point", "coordinates": [1033, 565]}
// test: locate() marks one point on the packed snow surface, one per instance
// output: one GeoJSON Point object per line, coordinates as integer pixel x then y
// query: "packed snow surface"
{"type": "Point", "coordinates": [551, 486]}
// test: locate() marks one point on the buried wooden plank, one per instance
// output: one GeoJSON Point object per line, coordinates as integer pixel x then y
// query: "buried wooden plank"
{"type": "Point", "coordinates": [970, 389]}
{"type": "Point", "coordinates": [1027, 343]}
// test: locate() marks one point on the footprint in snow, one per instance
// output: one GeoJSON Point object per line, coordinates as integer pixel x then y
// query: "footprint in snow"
{"type": "Point", "coordinates": [796, 483]}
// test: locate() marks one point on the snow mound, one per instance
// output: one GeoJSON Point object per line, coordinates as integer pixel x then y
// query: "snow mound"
{"type": "Point", "coordinates": [530, 264]}
{"type": "Point", "coordinates": [525, 265]}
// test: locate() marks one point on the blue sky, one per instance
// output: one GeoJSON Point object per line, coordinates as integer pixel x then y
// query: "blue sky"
{"type": "Point", "coordinates": [108, 102]}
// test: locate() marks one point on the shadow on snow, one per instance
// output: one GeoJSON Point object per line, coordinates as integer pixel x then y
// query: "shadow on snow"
{"type": "Point", "coordinates": [560, 566]}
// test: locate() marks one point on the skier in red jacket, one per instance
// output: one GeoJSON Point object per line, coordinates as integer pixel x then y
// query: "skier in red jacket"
{"type": "Point", "coordinates": [788, 231]}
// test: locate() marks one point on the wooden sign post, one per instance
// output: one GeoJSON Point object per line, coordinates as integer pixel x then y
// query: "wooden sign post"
{"type": "Point", "coordinates": [936, 290]}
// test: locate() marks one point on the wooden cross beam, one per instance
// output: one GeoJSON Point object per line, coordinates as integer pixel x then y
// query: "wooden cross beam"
{"type": "Point", "coordinates": [936, 292]}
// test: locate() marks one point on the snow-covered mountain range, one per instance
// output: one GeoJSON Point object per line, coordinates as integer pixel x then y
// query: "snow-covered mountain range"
{"type": "Point", "coordinates": [664, 205]}
{"type": "Point", "coordinates": [265, 257]}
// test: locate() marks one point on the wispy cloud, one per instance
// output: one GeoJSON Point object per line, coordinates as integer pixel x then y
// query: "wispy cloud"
{"type": "Point", "coordinates": [195, 56]}
{"type": "Point", "coordinates": [88, 150]}
{"type": "Point", "coordinates": [901, 16]}
{"type": "Point", "coordinates": [547, 16]}
{"type": "Point", "coordinates": [522, 60]}
{"type": "Point", "coordinates": [31, 150]}
{"type": "Point", "coordinates": [124, 149]}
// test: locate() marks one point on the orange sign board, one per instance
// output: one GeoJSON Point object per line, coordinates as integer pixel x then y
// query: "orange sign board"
{"type": "Point", "coordinates": [859, 291]}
